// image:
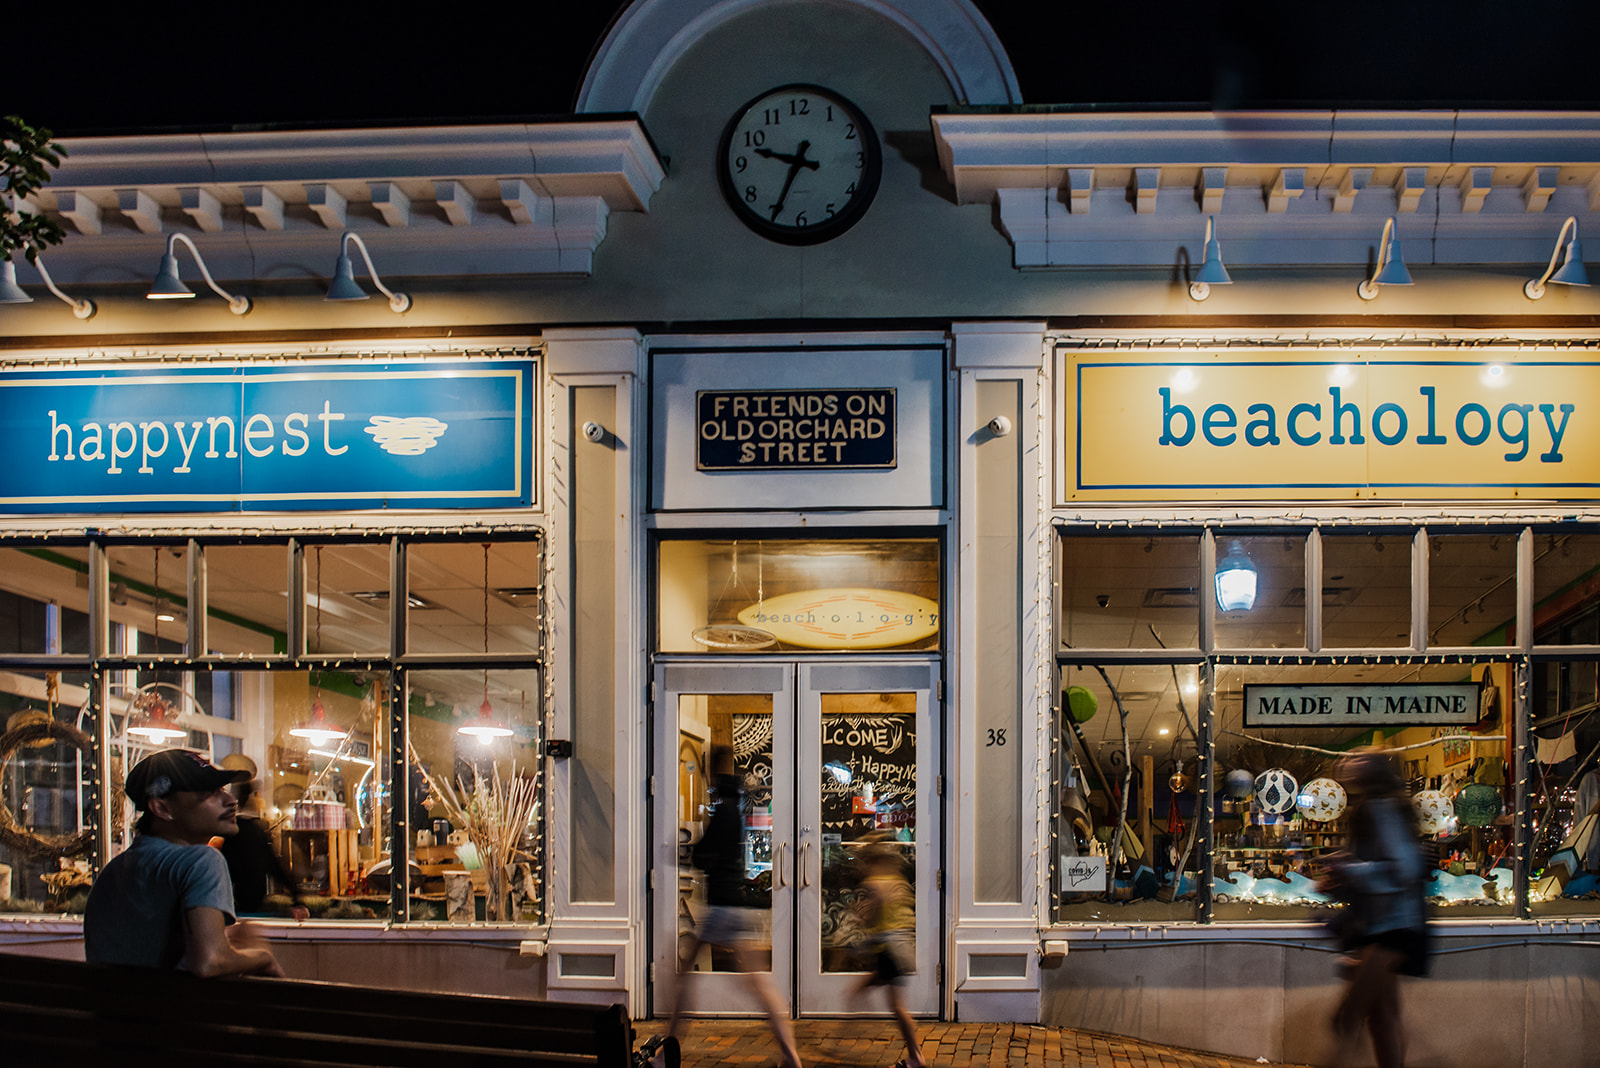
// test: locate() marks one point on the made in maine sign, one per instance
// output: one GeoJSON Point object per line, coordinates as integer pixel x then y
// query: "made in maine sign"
{"type": "Point", "coordinates": [278, 437]}
{"type": "Point", "coordinates": [794, 429]}
{"type": "Point", "coordinates": [1382, 704]}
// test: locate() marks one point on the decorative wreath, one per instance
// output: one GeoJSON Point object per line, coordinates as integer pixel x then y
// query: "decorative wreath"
{"type": "Point", "coordinates": [30, 732]}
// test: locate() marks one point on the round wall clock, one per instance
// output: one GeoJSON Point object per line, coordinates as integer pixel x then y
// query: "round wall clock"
{"type": "Point", "coordinates": [799, 164]}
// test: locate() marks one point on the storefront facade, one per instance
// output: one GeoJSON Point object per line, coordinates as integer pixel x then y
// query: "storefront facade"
{"type": "Point", "coordinates": [934, 501]}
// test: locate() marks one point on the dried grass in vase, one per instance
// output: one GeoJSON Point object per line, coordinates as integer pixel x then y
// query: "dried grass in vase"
{"type": "Point", "coordinates": [495, 813]}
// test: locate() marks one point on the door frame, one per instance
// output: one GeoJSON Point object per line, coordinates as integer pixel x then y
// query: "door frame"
{"type": "Point", "coordinates": [786, 678]}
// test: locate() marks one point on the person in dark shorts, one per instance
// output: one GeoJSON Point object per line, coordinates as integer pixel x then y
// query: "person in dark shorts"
{"type": "Point", "coordinates": [727, 923]}
{"type": "Point", "coordinates": [888, 911]}
{"type": "Point", "coordinates": [1380, 878]}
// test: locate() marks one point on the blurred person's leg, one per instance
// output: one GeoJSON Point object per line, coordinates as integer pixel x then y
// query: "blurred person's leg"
{"type": "Point", "coordinates": [777, 1014]}
{"type": "Point", "coordinates": [1383, 1018]}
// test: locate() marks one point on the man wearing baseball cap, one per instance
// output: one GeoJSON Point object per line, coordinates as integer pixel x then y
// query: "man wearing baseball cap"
{"type": "Point", "coordinates": [167, 901]}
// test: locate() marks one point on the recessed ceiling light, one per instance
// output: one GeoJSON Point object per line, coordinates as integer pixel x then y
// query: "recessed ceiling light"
{"type": "Point", "coordinates": [381, 597]}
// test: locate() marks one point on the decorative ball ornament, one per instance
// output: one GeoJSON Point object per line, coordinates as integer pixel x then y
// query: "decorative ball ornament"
{"type": "Point", "coordinates": [1434, 811]}
{"type": "Point", "coordinates": [1477, 804]}
{"type": "Point", "coordinates": [1276, 791]}
{"type": "Point", "coordinates": [1238, 783]}
{"type": "Point", "coordinates": [1322, 800]}
{"type": "Point", "coordinates": [1082, 703]}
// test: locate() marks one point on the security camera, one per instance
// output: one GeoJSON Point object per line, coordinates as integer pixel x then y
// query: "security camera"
{"type": "Point", "coordinates": [1102, 600]}
{"type": "Point", "coordinates": [594, 431]}
{"type": "Point", "coordinates": [999, 426]}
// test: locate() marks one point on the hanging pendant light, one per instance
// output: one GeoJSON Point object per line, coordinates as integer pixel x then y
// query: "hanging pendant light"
{"type": "Point", "coordinates": [486, 728]}
{"type": "Point", "coordinates": [154, 719]}
{"type": "Point", "coordinates": [317, 730]}
{"type": "Point", "coordinates": [1236, 580]}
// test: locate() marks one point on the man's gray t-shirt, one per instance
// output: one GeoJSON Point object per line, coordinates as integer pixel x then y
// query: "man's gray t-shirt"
{"type": "Point", "coordinates": [136, 909]}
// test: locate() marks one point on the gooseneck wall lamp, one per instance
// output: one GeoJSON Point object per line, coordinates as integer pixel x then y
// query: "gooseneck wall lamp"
{"type": "Point", "coordinates": [1571, 272]}
{"type": "Point", "coordinates": [168, 286]}
{"type": "Point", "coordinates": [345, 286]}
{"type": "Point", "coordinates": [1391, 266]}
{"type": "Point", "coordinates": [11, 293]}
{"type": "Point", "coordinates": [1212, 272]}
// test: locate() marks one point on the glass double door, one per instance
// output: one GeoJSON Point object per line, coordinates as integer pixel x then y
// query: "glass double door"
{"type": "Point", "coordinates": [840, 816]}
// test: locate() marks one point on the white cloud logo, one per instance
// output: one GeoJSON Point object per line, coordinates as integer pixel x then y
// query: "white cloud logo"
{"type": "Point", "coordinates": [406, 435]}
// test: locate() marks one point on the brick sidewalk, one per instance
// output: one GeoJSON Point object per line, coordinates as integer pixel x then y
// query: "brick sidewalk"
{"type": "Point", "coordinates": [875, 1043]}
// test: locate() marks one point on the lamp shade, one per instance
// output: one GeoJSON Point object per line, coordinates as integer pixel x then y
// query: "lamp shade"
{"type": "Point", "coordinates": [10, 292]}
{"type": "Point", "coordinates": [1236, 580]}
{"type": "Point", "coordinates": [1571, 272]}
{"type": "Point", "coordinates": [1212, 272]}
{"type": "Point", "coordinates": [154, 719]}
{"type": "Point", "coordinates": [344, 285]}
{"type": "Point", "coordinates": [484, 726]}
{"type": "Point", "coordinates": [1393, 272]}
{"type": "Point", "coordinates": [168, 286]}
{"type": "Point", "coordinates": [317, 730]}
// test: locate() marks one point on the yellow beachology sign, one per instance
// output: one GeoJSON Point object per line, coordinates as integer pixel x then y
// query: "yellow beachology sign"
{"type": "Point", "coordinates": [1380, 423]}
{"type": "Point", "coordinates": [845, 617]}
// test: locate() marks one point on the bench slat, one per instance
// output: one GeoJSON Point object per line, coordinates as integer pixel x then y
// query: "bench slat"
{"type": "Point", "coordinates": [68, 1005]}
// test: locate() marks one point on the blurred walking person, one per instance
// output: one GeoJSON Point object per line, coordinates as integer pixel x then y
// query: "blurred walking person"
{"type": "Point", "coordinates": [888, 910]}
{"type": "Point", "coordinates": [1380, 878]}
{"type": "Point", "coordinates": [727, 923]}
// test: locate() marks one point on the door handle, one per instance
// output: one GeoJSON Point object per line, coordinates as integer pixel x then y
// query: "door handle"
{"type": "Point", "coordinates": [778, 880]}
{"type": "Point", "coordinates": [805, 875]}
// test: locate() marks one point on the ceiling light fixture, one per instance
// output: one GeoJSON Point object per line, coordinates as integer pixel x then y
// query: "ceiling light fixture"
{"type": "Point", "coordinates": [1571, 272]}
{"type": "Point", "coordinates": [485, 727]}
{"type": "Point", "coordinates": [1236, 580]}
{"type": "Point", "coordinates": [154, 719]}
{"type": "Point", "coordinates": [344, 285]}
{"type": "Point", "coordinates": [1391, 266]}
{"type": "Point", "coordinates": [1212, 272]}
{"type": "Point", "coordinates": [317, 730]}
{"type": "Point", "coordinates": [168, 286]}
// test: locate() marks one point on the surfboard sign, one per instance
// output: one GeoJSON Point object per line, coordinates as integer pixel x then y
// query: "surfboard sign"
{"type": "Point", "coordinates": [845, 617]}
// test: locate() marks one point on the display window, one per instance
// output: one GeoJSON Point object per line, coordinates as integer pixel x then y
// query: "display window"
{"type": "Point", "coordinates": [297, 685]}
{"type": "Point", "coordinates": [787, 595]}
{"type": "Point", "coordinates": [1310, 644]}
{"type": "Point", "coordinates": [1126, 752]}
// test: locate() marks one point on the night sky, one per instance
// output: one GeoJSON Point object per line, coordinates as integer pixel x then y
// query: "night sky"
{"type": "Point", "coordinates": [188, 66]}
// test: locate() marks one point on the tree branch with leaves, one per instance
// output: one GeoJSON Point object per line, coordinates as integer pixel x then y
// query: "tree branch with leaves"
{"type": "Point", "coordinates": [27, 155]}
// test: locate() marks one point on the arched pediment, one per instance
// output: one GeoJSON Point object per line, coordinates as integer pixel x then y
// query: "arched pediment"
{"type": "Point", "coordinates": [652, 35]}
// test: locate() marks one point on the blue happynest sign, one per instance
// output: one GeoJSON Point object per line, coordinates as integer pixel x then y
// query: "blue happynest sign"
{"type": "Point", "coordinates": [416, 434]}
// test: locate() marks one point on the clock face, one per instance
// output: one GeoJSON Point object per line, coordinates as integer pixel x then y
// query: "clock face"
{"type": "Point", "coordinates": [799, 164]}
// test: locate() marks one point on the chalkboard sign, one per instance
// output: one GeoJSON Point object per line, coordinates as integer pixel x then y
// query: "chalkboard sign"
{"type": "Point", "coordinates": [869, 774]}
{"type": "Point", "coordinates": [794, 429]}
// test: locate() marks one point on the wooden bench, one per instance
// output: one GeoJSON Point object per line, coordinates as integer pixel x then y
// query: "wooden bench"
{"type": "Point", "coordinates": [67, 1012]}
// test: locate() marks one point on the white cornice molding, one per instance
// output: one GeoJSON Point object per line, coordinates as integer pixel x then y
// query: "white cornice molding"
{"type": "Point", "coordinates": [279, 192]}
{"type": "Point", "coordinates": [1302, 187]}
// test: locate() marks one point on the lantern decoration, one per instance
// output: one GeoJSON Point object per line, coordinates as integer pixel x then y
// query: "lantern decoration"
{"type": "Point", "coordinates": [1322, 800]}
{"type": "Point", "coordinates": [1434, 811]}
{"type": "Point", "coordinates": [1275, 791]}
{"type": "Point", "coordinates": [1477, 804]}
{"type": "Point", "coordinates": [1238, 783]}
{"type": "Point", "coordinates": [1082, 703]}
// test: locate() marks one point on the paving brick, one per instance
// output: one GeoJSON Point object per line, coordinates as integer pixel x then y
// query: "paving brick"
{"type": "Point", "coordinates": [875, 1043]}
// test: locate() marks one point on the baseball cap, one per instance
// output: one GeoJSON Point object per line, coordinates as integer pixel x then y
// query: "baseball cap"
{"type": "Point", "coordinates": [159, 774]}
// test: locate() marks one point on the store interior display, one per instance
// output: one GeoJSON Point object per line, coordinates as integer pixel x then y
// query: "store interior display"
{"type": "Point", "coordinates": [317, 741]}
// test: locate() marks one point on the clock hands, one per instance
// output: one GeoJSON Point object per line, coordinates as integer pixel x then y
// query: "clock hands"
{"type": "Point", "coordinates": [795, 162]}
